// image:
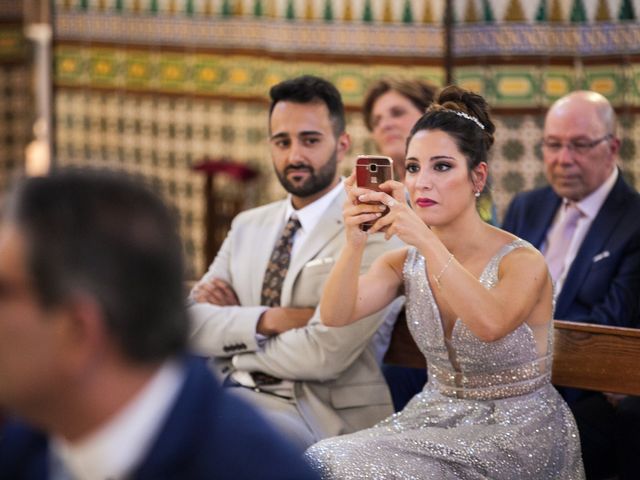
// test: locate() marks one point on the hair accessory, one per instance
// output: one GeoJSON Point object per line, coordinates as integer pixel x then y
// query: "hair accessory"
{"type": "Point", "coordinates": [465, 115]}
{"type": "Point", "coordinates": [436, 278]}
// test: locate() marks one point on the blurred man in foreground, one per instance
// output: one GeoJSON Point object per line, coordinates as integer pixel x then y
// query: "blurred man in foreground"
{"type": "Point", "coordinates": [93, 333]}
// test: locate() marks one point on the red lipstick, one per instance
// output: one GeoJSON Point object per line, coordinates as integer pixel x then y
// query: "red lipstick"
{"type": "Point", "coordinates": [425, 202]}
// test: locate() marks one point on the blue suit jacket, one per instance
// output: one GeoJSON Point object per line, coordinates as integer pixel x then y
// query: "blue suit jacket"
{"type": "Point", "coordinates": [603, 283]}
{"type": "Point", "coordinates": [208, 435]}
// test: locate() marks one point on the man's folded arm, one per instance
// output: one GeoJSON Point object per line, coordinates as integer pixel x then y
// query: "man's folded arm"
{"type": "Point", "coordinates": [313, 353]}
{"type": "Point", "coordinates": [224, 331]}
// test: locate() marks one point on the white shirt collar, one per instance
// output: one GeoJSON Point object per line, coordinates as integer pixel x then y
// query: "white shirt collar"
{"type": "Point", "coordinates": [310, 215]}
{"type": "Point", "coordinates": [591, 204]}
{"type": "Point", "coordinates": [116, 449]}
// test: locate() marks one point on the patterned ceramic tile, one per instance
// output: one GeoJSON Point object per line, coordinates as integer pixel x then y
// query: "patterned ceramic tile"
{"type": "Point", "coordinates": [10, 9]}
{"type": "Point", "coordinates": [16, 116]}
{"type": "Point", "coordinates": [153, 87]}
{"type": "Point", "coordinates": [13, 46]}
{"type": "Point", "coordinates": [160, 139]}
{"type": "Point", "coordinates": [237, 76]}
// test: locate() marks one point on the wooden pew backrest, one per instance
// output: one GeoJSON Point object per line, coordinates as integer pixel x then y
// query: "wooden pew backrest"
{"type": "Point", "coordinates": [596, 357]}
{"type": "Point", "coordinates": [591, 357]}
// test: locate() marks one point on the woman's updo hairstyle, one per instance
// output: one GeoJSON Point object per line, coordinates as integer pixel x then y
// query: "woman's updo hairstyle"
{"type": "Point", "coordinates": [463, 115]}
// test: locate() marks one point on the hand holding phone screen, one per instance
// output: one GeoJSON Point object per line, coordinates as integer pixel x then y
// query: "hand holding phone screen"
{"type": "Point", "coordinates": [371, 172]}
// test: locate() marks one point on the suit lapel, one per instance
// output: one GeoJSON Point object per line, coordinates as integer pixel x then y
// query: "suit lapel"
{"type": "Point", "coordinates": [327, 228]}
{"type": "Point", "coordinates": [594, 241]}
{"type": "Point", "coordinates": [266, 237]}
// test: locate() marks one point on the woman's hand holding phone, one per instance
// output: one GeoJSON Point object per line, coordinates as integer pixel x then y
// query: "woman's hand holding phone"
{"type": "Point", "coordinates": [377, 203]}
{"type": "Point", "coordinates": [356, 213]}
{"type": "Point", "coordinates": [372, 171]}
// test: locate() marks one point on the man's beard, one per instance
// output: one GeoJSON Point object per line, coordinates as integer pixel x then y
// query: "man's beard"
{"type": "Point", "coordinates": [316, 182]}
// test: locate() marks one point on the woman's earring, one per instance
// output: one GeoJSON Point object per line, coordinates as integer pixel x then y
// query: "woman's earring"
{"type": "Point", "coordinates": [477, 194]}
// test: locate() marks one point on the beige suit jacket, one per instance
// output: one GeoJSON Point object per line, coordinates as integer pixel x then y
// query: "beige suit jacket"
{"type": "Point", "coordinates": [336, 383]}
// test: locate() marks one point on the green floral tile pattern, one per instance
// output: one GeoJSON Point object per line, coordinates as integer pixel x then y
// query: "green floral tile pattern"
{"type": "Point", "coordinates": [535, 86]}
{"type": "Point", "coordinates": [512, 150]}
{"type": "Point", "coordinates": [237, 76]}
{"type": "Point", "coordinates": [246, 76]}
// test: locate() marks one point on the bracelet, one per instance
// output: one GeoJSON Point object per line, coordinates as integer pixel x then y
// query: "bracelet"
{"type": "Point", "coordinates": [436, 278]}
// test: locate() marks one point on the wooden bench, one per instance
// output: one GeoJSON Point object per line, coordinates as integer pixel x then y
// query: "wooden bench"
{"type": "Point", "coordinates": [591, 357]}
{"type": "Point", "coordinates": [596, 357]}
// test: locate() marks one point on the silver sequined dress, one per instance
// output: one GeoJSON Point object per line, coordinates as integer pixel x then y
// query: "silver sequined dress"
{"type": "Point", "coordinates": [488, 410]}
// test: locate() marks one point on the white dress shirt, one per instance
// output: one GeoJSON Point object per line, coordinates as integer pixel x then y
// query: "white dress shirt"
{"type": "Point", "coordinates": [117, 448]}
{"type": "Point", "coordinates": [589, 208]}
{"type": "Point", "coordinates": [310, 215]}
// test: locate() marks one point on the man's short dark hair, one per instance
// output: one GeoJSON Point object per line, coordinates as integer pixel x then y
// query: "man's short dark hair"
{"type": "Point", "coordinates": [311, 89]}
{"type": "Point", "coordinates": [109, 237]}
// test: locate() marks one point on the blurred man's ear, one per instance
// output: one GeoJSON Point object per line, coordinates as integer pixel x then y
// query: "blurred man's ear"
{"type": "Point", "coordinates": [82, 332]}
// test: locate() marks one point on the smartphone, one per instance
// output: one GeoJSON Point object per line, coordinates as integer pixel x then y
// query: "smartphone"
{"type": "Point", "coordinates": [371, 172]}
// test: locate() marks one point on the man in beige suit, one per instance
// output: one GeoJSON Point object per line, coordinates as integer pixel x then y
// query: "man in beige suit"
{"type": "Point", "coordinates": [311, 380]}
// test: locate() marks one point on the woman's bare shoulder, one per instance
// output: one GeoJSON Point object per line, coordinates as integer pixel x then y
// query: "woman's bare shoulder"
{"type": "Point", "coordinates": [395, 259]}
{"type": "Point", "coordinates": [525, 258]}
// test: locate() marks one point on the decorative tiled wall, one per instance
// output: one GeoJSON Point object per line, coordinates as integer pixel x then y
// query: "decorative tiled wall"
{"type": "Point", "coordinates": [151, 86]}
{"type": "Point", "coordinates": [15, 95]}
{"type": "Point", "coordinates": [15, 119]}
{"type": "Point", "coordinates": [10, 9]}
{"type": "Point", "coordinates": [159, 138]}
{"type": "Point", "coordinates": [210, 74]}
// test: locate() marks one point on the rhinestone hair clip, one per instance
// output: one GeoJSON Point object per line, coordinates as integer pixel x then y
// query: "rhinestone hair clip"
{"type": "Point", "coordinates": [465, 115]}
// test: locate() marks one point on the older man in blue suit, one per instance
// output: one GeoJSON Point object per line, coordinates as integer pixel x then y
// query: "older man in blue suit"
{"type": "Point", "coordinates": [93, 331]}
{"type": "Point", "coordinates": [586, 224]}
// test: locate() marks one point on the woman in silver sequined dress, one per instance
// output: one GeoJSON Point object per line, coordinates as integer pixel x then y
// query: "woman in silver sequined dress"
{"type": "Point", "coordinates": [479, 305]}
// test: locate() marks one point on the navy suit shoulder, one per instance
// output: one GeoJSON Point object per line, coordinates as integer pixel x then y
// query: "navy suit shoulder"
{"type": "Point", "coordinates": [530, 213]}
{"type": "Point", "coordinates": [211, 434]}
{"type": "Point", "coordinates": [208, 435]}
{"type": "Point", "coordinates": [23, 452]}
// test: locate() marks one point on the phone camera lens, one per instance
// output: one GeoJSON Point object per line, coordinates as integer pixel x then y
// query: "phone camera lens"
{"type": "Point", "coordinates": [373, 167]}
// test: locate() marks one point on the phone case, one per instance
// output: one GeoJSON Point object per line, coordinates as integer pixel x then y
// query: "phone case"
{"type": "Point", "coordinates": [371, 171]}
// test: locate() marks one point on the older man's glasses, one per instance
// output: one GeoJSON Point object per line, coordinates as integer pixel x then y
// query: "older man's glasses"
{"type": "Point", "coordinates": [580, 146]}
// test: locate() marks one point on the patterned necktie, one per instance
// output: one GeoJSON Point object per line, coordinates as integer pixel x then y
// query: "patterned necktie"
{"type": "Point", "coordinates": [278, 265]}
{"type": "Point", "coordinates": [560, 238]}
